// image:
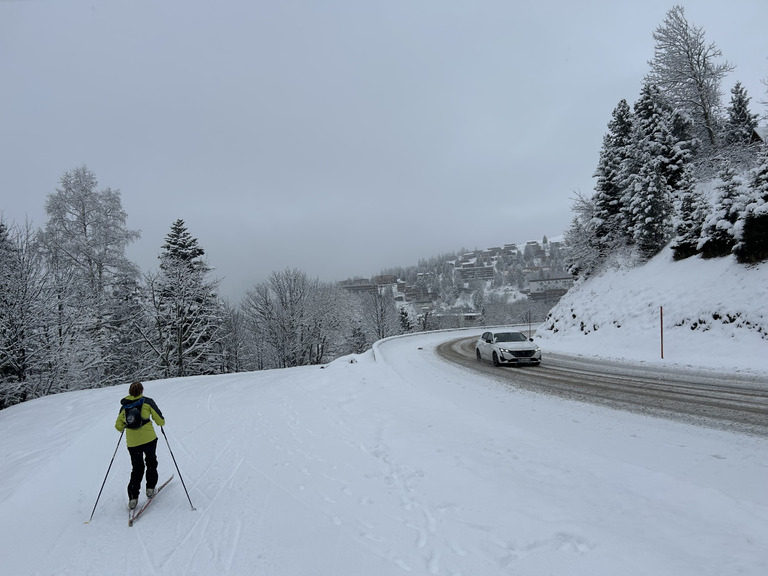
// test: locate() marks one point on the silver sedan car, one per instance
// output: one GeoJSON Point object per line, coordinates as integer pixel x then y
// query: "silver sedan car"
{"type": "Point", "coordinates": [507, 348]}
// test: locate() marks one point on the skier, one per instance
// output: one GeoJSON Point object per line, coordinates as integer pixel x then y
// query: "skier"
{"type": "Point", "coordinates": [141, 439]}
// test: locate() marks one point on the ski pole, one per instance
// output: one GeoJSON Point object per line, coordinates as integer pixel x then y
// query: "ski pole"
{"type": "Point", "coordinates": [105, 477]}
{"type": "Point", "coordinates": [177, 468]}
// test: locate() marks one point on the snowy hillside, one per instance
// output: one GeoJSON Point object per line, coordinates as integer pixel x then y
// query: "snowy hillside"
{"type": "Point", "coordinates": [392, 462]}
{"type": "Point", "coordinates": [715, 314]}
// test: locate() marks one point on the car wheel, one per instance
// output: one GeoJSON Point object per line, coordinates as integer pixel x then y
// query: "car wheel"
{"type": "Point", "coordinates": [479, 357]}
{"type": "Point", "coordinates": [495, 360]}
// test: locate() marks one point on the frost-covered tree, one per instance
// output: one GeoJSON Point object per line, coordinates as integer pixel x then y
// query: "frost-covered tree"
{"type": "Point", "coordinates": [498, 277]}
{"type": "Point", "coordinates": [656, 157]}
{"type": "Point", "coordinates": [682, 145]}
{"type": "Point", "coordinates": [128, 341]}
{"type": "Point", "coordinates": [356, 341]}
{"type": "Point", "coordinates": [718, 233]}
{"type": "Point", "coordinates": [690, 217]}
{"type": "Point", "coordinates": [528, 254]}
{"type": "Point", "coordinates": [69, 350]}
{"type": "Point", "coordinates": [330, 313]}
{"type": "Point", "coordinates": [234, 340]}
{"type": "Point", "coordinates": [651, 209]}
{"type": "Point", "coordinates": [449, 291]}
{"type": "Point", "coordinates": [686, 68]}
{"type": "Point", "coordinates": [380, 315]}
{"type": "Point", "coordinates": [181, 246]}
{"type": "Point", "coordinates": [764, 101]}
{"type": "Point", "coordinates": [279, 311]}
{"type": "Point", "coordinates": [518, 277]}
{"type": "Point", "coordinates": [7, 258]}
{"type": "Point", "coordinates": [478, 294]}
{"type": "Point", "coordinates": [406, 324]}
{"type": "Point", "coordinates": [23, 357]}
{"type": "Point", "coordinates": [183, 311]}
{"type": "Point", "coordinates": [556, 257]}
{"type": "Point", "coordinates": [740, 122]}
{"type": "Point", "coordinates": [584, 256]}
{"type": "Point", "coordinates": [90, 227]}
{"type": "Point", "coordinates": [751, 229]}
{"type": "Point", "coordinates": [21, 282]}
{"type": "Point", "coordinates": [609, 226]}
{"type": "Point", "coordinates": [497, 310]}
{"type": "Point", "coordinates": [84, 243]}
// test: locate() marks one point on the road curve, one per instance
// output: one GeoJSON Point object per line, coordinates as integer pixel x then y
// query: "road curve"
{"type": "Point", "coordinates": [739, 404]}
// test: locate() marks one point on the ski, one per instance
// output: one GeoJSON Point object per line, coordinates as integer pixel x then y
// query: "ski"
{"type": "Point", "coordinates": [134, 516]}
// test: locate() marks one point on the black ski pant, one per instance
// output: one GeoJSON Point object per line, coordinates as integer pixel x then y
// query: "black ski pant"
{"type": "Point", "coordinates": [138, 455]}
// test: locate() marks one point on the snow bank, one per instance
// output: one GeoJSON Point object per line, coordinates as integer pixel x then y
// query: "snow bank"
{"type": "Point", "coordinates": [715, 315]}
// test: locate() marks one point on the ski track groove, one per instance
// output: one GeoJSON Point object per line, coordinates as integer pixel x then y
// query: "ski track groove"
{"type": "Point", "coordinates": [230, 560]}
{"type": "Point", "coordinates": [206, 468]}
{"type": "Point", "coordinates": [144, 553]}
{"type": "Point", "coordinates": [205, 519]}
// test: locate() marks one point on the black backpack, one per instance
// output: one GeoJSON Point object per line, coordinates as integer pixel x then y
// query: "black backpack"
{"type": "Point", "coordinates": [133, 419]}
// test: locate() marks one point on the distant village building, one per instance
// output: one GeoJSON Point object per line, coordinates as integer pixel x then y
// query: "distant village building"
{"type": "Point", "coordinates": [358, 285]}
{"type": "Point", "coordinates": [468, 272]}
{"type": "Point", "coordinates": [549, 289]}
{"type": "Point", "coordinates": [531, 270]}
{"type": "Point", "coordinates": [385, 280]}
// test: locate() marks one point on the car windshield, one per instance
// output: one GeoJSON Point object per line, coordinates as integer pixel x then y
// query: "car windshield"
{"type": "Point", "coordinates": [510, 337]}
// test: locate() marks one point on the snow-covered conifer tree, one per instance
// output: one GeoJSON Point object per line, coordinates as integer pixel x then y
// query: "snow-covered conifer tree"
{"type": "Point", "coordinates": [583, 256]}
{"type": "Point", "coordinates": [649, 192]}
{"type": "Point", "coordinates": [718, 234]}
{"type": "Point", "coordinates": [682, 145]}
{"type": "Point", "coordinates": [690, 217]}
{"type": "Point", "coordinates": [751, 228]}
{"type": "Point", "coordinates": [740, 122]}
{"type": "Point", "coordinates": [183, 309]}
{"type": "Point", "coordinates": [356, 341]}
{"type": "Point", "coordinates": [449, 292]}
{"type": "Point", "coordinates": [180, 245]}
{"type": "Point", "coordinates": [609, 226]}
{"type": "Point", "coordinates": [406, 324]}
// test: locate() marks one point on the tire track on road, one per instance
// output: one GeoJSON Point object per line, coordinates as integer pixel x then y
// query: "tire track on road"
{"type": "Point", "coordinates": [699, 398]}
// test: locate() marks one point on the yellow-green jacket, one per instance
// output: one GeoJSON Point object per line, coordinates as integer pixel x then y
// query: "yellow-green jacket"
{"type": "Point", "coordinates": [139, 436]}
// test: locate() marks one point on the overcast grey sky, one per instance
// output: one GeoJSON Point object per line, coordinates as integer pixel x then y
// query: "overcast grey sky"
{"type": "Point", "coordinates": [336, 137]}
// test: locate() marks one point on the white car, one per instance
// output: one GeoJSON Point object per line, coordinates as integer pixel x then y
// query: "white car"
{"type": "Point", "coordinates": [507, 348]}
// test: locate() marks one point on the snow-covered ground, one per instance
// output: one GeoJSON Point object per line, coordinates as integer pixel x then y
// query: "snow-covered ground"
{"type": "Point", "coordinates": [715, 315]}
{"type": "Point", "coordinates": [395, 462]}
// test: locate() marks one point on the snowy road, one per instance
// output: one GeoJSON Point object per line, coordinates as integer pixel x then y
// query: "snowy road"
{"type": "Point", "coordinates": [384, 464]}
{"type": "Point", "coordinates": [730, 401]}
